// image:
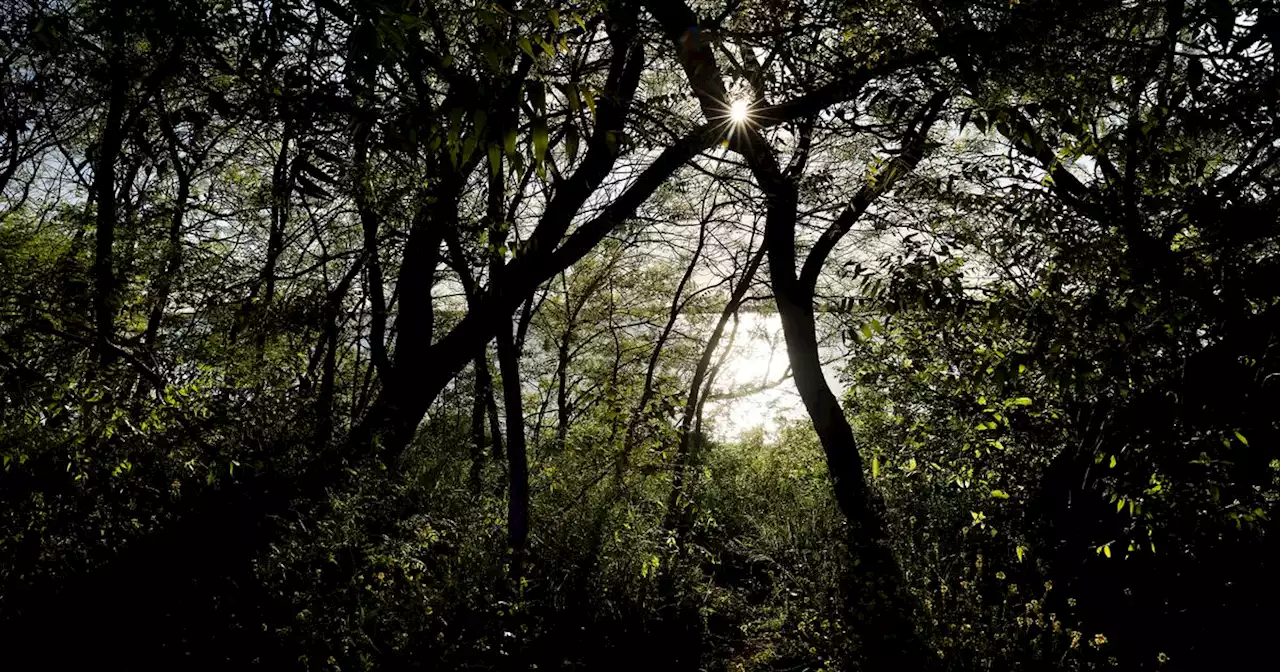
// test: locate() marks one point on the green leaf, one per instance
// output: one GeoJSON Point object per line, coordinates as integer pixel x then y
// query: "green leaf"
{"type": "Point", "coordinates": [509, 142]}
{"type": "Point", "coordinates": [538, 97]}
{"type": "Point", "coordinates": [1113, 461]}
{"type": "Point", "coordinates": [875, 467]}
{"type": "Point", "coordinates": [468, 147]}
{"type": "Point", "coordinates": [1242, 439]}
{"type": "Point", "coordinates": [571, 143]}
{"type": "Point", "coordinates": [1021, 551]}
{"type": "Point", "coordinates": [491, 56]}
{"type": "Point", "coordinates": [1000, 494]}
{"type": "Point", "coordinates": [495, 159]}
{"type": "Point", "coordinates": [1022, 401]}
{"type": "Point", "coordinates": [517, 165]}
{"type": "Point", "coordinates": [539, 141]}
{"type": "Point", "coordinates": [525, 45]}
{"type": "Point", "coordinates": [555, 18]}
{"type": "Point", "coordinates": [573, 97]}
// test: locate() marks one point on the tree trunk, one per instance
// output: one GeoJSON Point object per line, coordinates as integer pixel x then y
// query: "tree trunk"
{"type": "Point", "coordinates": [483, 405]}
{"type": "Point", "coordinates": [517, 458]}
{"type": "Point", "coordinates": [401, 403]}
{"type": "Point", "coordinates": [104, 189]}
{"type": "Point", "coordinates": [173, 261]}
{"type": "Point", "coordinates": [390, 421]}
{"type": "Point", "coordinates": [324, 403]}
{"type": "Point", "coordinates": [562, 387]}
{"type": "Point", "coordinates": [369, 225]}
{"type": "Point", "coordinates": [875, 597]}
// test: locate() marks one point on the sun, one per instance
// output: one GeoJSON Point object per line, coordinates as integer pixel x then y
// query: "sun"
{"type": "Point", "coordinates": [739, 111]}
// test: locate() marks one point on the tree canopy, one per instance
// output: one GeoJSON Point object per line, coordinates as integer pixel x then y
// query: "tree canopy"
{"type": "Point", "coordinates": [398, 334]}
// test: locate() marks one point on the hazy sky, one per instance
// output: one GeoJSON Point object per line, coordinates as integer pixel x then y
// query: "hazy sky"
{"type": "Point", "coordinates": [759, 355]}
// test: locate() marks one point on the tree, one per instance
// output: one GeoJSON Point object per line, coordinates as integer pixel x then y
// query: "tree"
{"type": "Point", "coordinates": [345, 334]}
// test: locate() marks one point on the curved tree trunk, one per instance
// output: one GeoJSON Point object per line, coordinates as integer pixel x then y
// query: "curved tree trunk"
{"type": "Point", "coordinates": [878, 609]}
{"type": "Point", "coordinates": [875, 597]}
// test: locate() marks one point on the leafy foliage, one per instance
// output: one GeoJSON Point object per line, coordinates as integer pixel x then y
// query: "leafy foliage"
{"type": "Point", "coordinates": [394, 334]}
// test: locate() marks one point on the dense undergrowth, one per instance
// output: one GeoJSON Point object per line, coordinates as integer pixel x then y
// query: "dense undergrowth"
{"type": "Point", "coordinates": [398, 334]}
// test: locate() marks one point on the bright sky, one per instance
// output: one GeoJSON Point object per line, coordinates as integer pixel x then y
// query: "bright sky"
{"type": "Point", "coordinates": [759, 355]}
